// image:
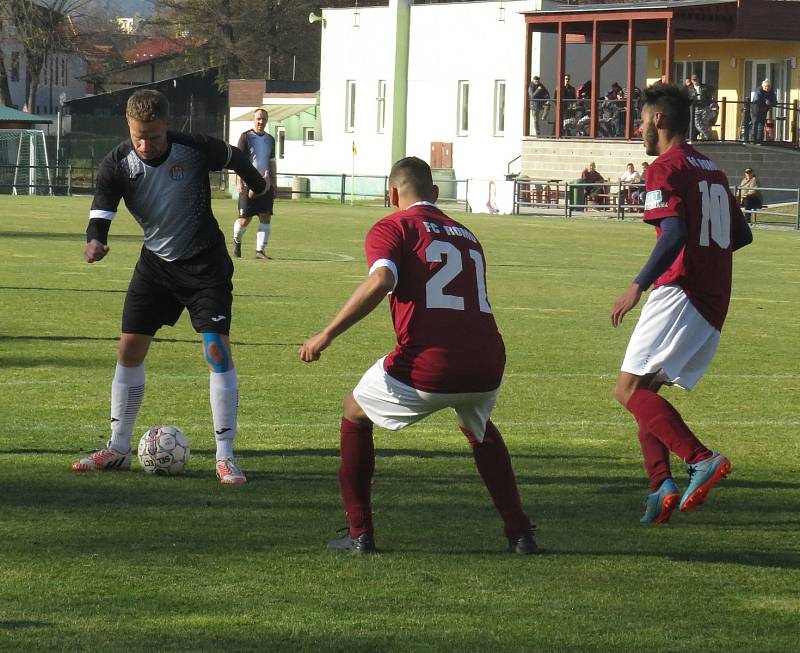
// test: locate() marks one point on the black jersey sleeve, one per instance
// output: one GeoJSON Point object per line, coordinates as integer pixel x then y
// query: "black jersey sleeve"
{"type": "Point", "coordinates": [108, 187]}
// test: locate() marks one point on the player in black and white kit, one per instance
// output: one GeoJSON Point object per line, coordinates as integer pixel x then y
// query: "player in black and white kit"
{"type": "Point", "coordinates": [163, 178]}
{"type": "Point", "coordinates": [259, 146]}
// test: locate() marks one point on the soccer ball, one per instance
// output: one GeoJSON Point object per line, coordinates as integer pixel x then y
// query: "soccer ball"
{"type": "Point", "coordinates": [164, 450]}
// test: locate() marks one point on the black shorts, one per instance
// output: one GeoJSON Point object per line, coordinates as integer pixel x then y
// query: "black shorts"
{"type": "Point", "coordinates": [159, 291]}
{"type": "Point", "coordinates": [250, 207]}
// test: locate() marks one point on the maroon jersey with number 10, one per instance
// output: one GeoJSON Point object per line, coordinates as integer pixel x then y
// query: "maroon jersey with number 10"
{"type": "Point", "coordinates": [447, 339]}
{"type": "Point", "coordinates": [684, 183]}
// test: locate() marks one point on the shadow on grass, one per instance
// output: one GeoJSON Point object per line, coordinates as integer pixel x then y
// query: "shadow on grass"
{"type": "Point", "coordinates": [332, 452]}
{"type": "Point", "coordinates": [103, 512]}
{"type": "Point", "coordinates": [157, 339]}
{"type": "Point", "coordinates": [77, 236]}
{"type": "Point", "coordinates": [18, 625]}
{"type": "Point", "coordinates": [124, 290]}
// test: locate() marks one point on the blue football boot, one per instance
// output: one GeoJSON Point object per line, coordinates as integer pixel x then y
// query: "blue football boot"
{"type": "Point", "coordinates": [659, 505]}
{"type": "Point", "coordinates": [702, 477]}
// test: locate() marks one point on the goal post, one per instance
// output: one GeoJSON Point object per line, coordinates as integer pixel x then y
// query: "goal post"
{"type": "Point", "coordinates": [24, 164]}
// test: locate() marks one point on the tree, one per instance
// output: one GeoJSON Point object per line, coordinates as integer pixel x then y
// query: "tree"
{"type": "Point", "coordinates": [249, 38]}
{"type": "Point", "coordinates": [43, 27]}
{"type": "Point", "coordinates": [5, 91]}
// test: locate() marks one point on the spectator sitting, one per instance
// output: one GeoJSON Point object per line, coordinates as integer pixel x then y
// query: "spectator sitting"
{"type": "Point", "coordinates": [749, 193]}
{"type": "Point", "coordinates": [628, 186]}
{"type": "Point", "coordinates": [595, 188]}
{"type": "Point", "coordinates": [642, 193]}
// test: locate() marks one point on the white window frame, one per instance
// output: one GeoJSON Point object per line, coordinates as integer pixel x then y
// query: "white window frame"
{"type": "Point", "coordinates": [280, 142]}
{"type": "Point", "coordinates": [499, 107]}
{"type": "Point", "coordinates": [462, 109]}
{"type": "Point", "coordinates": [381, 101]}
{"type": "Point", "coordinates": [312, 131]}
{"type": "Point", "coordinates": [350, 105]}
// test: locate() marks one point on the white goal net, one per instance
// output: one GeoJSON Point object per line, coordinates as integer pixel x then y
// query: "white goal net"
{"type": "Point", "coordinates": [24, 167]}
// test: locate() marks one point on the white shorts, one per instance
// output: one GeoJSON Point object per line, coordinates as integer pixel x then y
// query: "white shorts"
{"type": "Point", "coordinates": [393, 405]}
{"type": "Point", "coordinates": [671, 338]}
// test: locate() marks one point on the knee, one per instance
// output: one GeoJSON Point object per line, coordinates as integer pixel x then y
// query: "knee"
{"type": "Point", "coordinates": [216, 352]}
{"type": "Point", "coordinates": [352, 412]}
{"type": "Point", "coordinates": [622, 394]}
{"type": "Point", "coordinates": [132, 350]}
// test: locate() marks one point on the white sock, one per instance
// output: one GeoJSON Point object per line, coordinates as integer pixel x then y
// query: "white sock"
{"type": "Point", "coordinates": [262, 240]}
{"type": "Point", "coordinates": [127, 392]}
{"type": "Point", "coordinates": [238, 231]}
{"type": "Point", "coordinates": [224, 395]}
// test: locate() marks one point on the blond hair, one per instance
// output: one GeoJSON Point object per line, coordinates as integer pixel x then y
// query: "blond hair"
{"type": "Point", "coordinates": [146, 106]}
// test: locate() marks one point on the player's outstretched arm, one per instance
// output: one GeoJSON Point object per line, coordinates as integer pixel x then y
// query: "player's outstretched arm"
{"type": "Point", "coordinates": [241, 166]}
{"type": "Point", "coordinates": [625, 303]}
{"type": "Point", "coordinates": [362, 302]}
{"type": "Point", "coordinates": [672, 240]}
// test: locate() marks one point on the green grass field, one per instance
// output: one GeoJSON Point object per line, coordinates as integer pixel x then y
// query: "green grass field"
{"type": "Point", "coordinates": [128, 562]}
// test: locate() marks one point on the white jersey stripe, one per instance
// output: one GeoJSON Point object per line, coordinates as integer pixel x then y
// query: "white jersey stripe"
{"type": "Point", "coordinates": [386, 263]}
{"type": "Point", "coordinates": [105, 215]}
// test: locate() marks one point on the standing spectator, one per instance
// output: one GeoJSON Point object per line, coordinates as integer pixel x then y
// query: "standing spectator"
{"type": "Point", "coordinates": [568, 98]}
{"type": "Point", "coordinates": [747, 120]}
{"type": "Point", "coordinates": [628, 186]}
{"type": "Point", "coordinates": [595, 188]}
{"type": "Point", "coordinates": [700, 95]}
{"type": "Point", "coordinates": [749, 193]}
{"type": "Point", "coordinates": [764, 101]}
{"type": "Point", "coordinates": [259, 146]}
{"type": "Point", "coordinates": [539, 103]}
{"type": "Point", "coordinates": [678, 332]}
{"type": "Point", "coordinates": [449, 353]}
{"type": "Point", "coordinates": [163, 178]}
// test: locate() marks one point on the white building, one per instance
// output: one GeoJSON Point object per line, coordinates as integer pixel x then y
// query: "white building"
{"type": "Point", "coordinates": [59, 79]}
{"type": "Point", "coordinates": [444, 82]}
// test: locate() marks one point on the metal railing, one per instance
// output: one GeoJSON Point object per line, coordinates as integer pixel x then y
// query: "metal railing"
{"type": "Point", "coordinates": [78, 180]}
{"type": "Point", "coordinates": [621, 200]}
{"type": "Point", "coordinates": [721, 120]}
{"type": "Point", "coordinates": [368, 189]}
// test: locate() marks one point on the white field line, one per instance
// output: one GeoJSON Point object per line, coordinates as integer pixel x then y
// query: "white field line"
{"type": "Point", "coordinates": [255, 426]}
{"type": "Point", "coordinates": [357, 375]}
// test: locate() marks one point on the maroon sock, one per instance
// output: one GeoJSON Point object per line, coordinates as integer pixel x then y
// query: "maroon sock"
{"type": "Point", "coordinates": [656, 416]}
{"type": "Point", "coordinates": [355, 474]}
{"type": "Point", "coordinates": [494, 465]}
{"type": "Point", "coordinates": [656, 459]}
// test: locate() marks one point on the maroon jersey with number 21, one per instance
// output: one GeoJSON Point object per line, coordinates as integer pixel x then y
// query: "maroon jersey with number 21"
{"type": "Point", "coordinates": [447, 339]}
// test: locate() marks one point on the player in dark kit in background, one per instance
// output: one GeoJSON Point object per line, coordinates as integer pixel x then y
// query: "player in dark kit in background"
{"type": "Point", "coordinates": [449, 353]}
{"type": "Point", "coordinates": [258, 145]}
{"type": "Point", "coordinates": [163, 178]}
{"type": "Point", "coordinates": [698, 226]}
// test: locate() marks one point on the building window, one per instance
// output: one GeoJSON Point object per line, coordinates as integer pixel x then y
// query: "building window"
{"type": "Point", "coordinates": [280, 143]}
{"type": "Point", "coordinates": [350, 106]}
{"type": "Point", "coordinates": [463, 108]}
{"type": "Point", "coordinates": [381, 126]}
{"type": "Point", "coordinates": [15, 66]}
{"type": "Point", "coordinates": [309, 135]}
{"type": "Point", "coordinates": [499, 107]}
{"type": "Point", "coordinates": [707, 71]}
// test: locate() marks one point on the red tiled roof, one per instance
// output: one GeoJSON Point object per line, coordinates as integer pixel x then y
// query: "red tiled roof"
{"type": "Point", "coordinates": [155, 48]}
